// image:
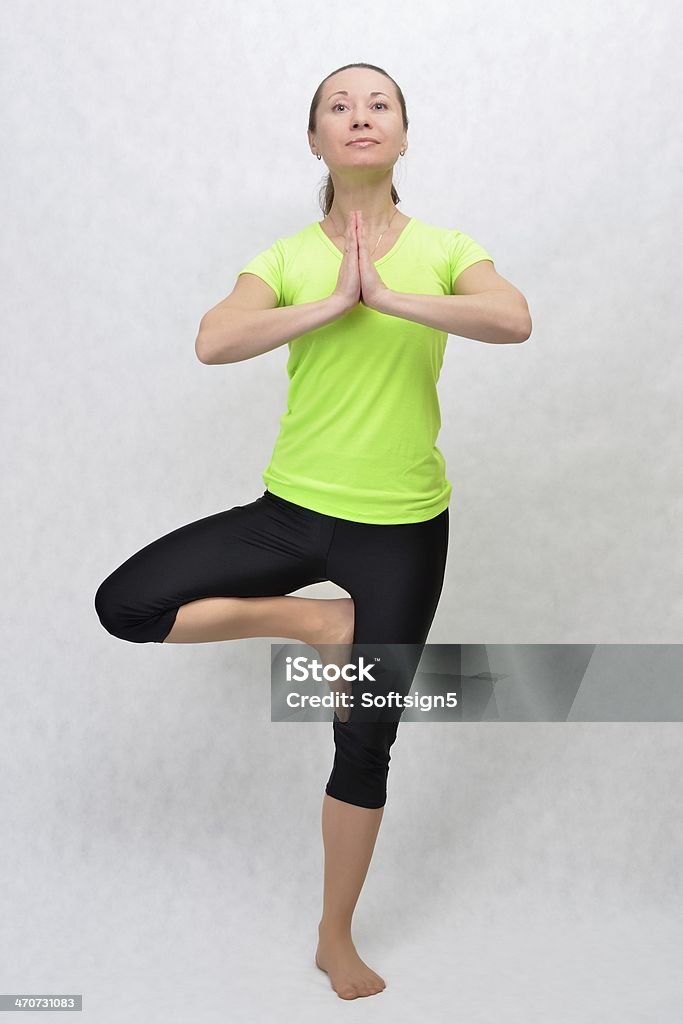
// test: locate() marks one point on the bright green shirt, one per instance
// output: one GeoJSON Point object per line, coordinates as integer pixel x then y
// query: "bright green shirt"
{"type": "Point", "coordinates": [358, 438]}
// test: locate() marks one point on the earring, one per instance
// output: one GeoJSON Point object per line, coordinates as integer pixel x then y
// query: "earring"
{"type": "Point", "coordinates": [318, 156]}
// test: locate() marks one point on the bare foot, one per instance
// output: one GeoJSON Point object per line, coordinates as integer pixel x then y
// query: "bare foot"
{"type": "Point", "coordinates": [334, 643]}
{"type": "Point", "coordinates": [350, 976]}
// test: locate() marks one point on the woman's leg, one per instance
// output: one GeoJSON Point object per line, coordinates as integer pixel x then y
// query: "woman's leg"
{"type": "Point", "coordinates": [228, 576]}
{"type": "Point", "coordinates": [395, 577]}
{"type": "Point", "coordinates": [309, 620]}
{"type": "Point", "coordinates": [224, 577]}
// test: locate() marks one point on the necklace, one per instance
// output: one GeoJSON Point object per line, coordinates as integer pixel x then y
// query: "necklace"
{"type": "Point", "coordinates": [380, 237]}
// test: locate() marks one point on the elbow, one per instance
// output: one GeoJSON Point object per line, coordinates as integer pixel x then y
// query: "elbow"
{"type": "Point", "coordinates": [522, 326]}
{"type": "Point", "coordinates": [205, 348]}
{"type": "Point", "coordinates": [212, 347]}
{"type": "Point", "coordinates": [526, 324]}
{"type": "Point", "coordinates": [212, 355]}
{"type": "Point", "coordinates": [525, 333]}
{"type": "Point", "coordinates": [201, 351]}
{"type": "Point", "coordinates": [514, 333]}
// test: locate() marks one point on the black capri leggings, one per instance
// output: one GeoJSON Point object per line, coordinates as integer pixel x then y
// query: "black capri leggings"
{"type": "Point", "coordinates": [271, 547]}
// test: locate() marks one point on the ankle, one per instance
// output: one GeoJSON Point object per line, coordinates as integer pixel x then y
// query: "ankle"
{"type": "Point", "coordinates": [334, 929]}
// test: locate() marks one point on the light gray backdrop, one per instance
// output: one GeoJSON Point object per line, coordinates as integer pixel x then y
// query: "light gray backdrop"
{"type": "Point", "coordinates": [160, 846]}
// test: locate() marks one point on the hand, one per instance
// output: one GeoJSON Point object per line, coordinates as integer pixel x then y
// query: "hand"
{"type": "Point", "coordinates": [373, 290]}
{"type": "Point", "coordinates": [347, 290]}
{"type": "Point", "coordinates": [358, 279]}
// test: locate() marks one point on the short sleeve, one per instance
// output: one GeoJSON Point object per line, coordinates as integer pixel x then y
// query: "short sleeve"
{"type": "Point", "coordinates": [269, 266]}
{"type": "Point", "coordinates": [464, 251]}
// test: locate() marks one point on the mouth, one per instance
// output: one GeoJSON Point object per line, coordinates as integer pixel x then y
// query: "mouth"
{"type": "Point", "coordinates": [362, 142]}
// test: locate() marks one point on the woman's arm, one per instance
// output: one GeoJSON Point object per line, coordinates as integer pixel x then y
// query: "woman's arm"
{"type": "Point", "coordinates": [484, 307]}
{"type": "Point", "coordinates": [249, 322]}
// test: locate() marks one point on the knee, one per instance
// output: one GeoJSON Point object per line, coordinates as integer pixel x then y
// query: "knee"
{"type": "Point", "coordinates": [123, 617]}
{"type": "Point", "coordinates": [111, 608]}
{"type": "Point", "coordinates": [361, 763]}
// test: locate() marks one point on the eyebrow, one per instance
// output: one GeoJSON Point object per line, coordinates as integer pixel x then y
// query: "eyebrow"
{"type": "Point", "coordinates": [343, 92]}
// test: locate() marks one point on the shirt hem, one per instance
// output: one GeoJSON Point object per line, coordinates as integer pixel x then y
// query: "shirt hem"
{"type": "Point", "coordinates": [308, 499]}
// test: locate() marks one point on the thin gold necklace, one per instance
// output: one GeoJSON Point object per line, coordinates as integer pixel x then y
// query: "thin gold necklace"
{"type": "Point", "coordinates": [380, 237]}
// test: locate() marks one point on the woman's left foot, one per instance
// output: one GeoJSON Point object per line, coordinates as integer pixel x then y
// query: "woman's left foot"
{"type": "Point", "coordinates": [350, 976]}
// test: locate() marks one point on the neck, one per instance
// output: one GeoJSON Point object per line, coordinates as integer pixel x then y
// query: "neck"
{"type": "Point", "coordinates": [374, 203]}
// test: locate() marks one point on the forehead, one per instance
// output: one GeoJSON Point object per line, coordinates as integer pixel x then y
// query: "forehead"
{"type": "Point", "coordinates": [371, 85]}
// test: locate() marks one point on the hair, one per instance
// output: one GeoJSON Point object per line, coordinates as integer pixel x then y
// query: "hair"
{"type": "Point", "coordinates": [326, 195]}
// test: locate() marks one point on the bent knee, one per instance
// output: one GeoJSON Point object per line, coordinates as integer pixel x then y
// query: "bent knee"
{"type": "Point", "coordinates": [124, 617]}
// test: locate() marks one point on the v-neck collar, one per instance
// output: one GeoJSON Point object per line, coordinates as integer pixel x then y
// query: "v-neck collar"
{"type": "Point", "coordinates": [397, 244]}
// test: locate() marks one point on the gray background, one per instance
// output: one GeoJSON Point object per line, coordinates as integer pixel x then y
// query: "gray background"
{"type": "Point", "coordinates": [160, 844]}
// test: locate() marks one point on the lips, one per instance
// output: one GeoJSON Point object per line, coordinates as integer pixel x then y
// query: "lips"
{"type": "Point", "coordinates": [353, 142]}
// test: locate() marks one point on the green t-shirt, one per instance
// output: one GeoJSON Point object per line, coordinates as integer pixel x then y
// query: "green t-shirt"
{"type": "Point", "coordinates": [358, 438]}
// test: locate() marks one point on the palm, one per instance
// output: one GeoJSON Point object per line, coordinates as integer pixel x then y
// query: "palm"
{"type": "Point", "coordinates": [372, 287]}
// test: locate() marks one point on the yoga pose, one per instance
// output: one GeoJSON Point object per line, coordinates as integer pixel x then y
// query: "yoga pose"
{"type": "Point", "coordinates": [356, 491]}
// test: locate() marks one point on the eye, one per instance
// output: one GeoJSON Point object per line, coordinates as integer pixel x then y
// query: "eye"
{"type": "Point", "coordinates": [340, 104]}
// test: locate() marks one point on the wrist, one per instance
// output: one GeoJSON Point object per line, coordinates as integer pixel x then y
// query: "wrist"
{"type": "Point", "coordinates": [384, 303]}
{"type": "Point", "coordinates": [335, 305]}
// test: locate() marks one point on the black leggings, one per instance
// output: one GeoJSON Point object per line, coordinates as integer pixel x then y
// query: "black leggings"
{"type": "Point", "coordinates": [271, 547]}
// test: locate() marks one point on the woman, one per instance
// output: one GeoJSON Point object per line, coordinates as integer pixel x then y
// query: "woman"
{"type": "Point", "coordinates": [356, 491]}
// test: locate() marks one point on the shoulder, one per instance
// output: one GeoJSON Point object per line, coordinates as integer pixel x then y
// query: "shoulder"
{"type": "Point", "coordinates": [288, 242]}
{"type": "Point", "coordinates": [449, 244]}
{"type": "Point", "coordinates": [441, 241]}
{"type": "Point", "coordinates": [288, 246]}
{"type": "Point", "coordinates": [447, 236]}
{"type": "Point", "coordinates": [462, 248]}
{"type": "Point", "coordinates": [302, 236]}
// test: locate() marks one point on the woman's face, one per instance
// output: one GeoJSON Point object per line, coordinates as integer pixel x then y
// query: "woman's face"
{"type": "Point", "coordinates": [359, 103]}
